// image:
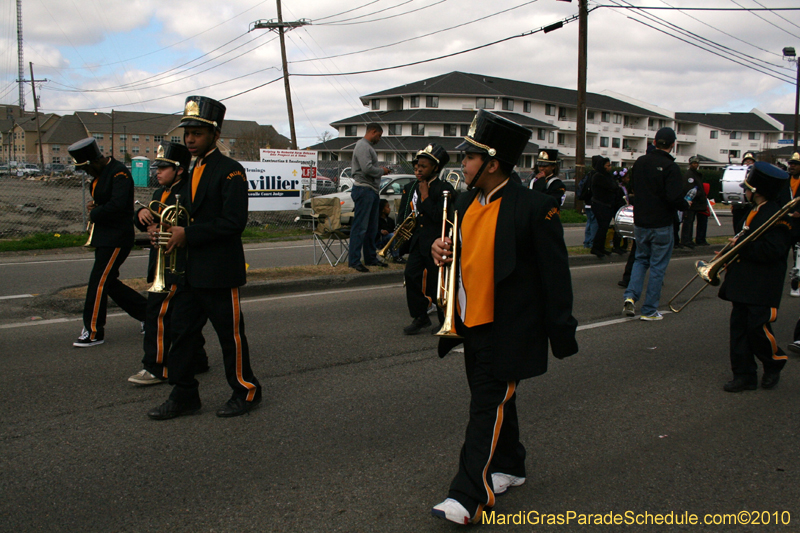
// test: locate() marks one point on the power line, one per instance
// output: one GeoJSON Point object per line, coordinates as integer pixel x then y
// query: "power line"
{"type": "Point", "coordinates": [339, 23]}
{"type": "Point", "coordinates": [348, 11]}
{"type": "Point", "coordinates": [779, 16]}
{"type": "Point", "coordinates": [373, 13]}
{"type": "Point", "coordinates": [661, 8]}
{"type": "Point", "coordinates": [768, 22]}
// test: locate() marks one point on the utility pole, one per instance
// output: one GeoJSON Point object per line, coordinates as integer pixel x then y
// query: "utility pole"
{"type": "Point", "coordinates": [580, 141]}
{"type": "Point", "coordinates": [36, 114]}
{"type": "Point", "coordinates": [789, 54]}
{"type": "Point", "coordinates": [20, 59]}
{"type": "Point", "coordinates": [112, 133]}
{"type": "Point", "coordinates": [280, 27]}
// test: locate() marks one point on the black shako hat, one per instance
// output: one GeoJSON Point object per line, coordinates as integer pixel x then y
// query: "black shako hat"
{"type": "Point", "coordinates": [765, 179]}
{"type": "Point", "coordinates": [170, 153]}
{"type": "Point", "coordinates": [435, 153]}
{"type": "Point", "coordinates": [547, 157]}
{"type": "Point", "coordinates": [202, 111]}
{"type": "Point", "coordinates": [495, 136]}
{"type": "Point", "coordinates": [85, 151]}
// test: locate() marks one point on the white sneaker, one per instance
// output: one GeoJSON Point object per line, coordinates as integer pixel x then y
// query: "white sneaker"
{"type": "Point", "coordinates": [143, 377]}
{"type": "Point", "coordinates": [651, 318]}
{"type": "Point", "coordinates": [501, 482]}
{"type": "Point", "coordinates": [451, 510]}
{"type": "Point", "coordinates": [794, 293]}
{"type": "Point", "coordinates": [431, 309]}
{"type": "Point", "coordinates": [795, 347]}
{"type": "Point", "coordinates": [85, 342]}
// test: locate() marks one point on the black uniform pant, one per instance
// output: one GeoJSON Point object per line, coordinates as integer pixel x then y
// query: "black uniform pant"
{"type": "Point", "coordinates": [158, 335]}
{"type": "Point", "coordinates": [104, 283]}
{"type": "Point", "coordinates": [751, 337]}
{"type": "Point", "coordinates": [688, 227]}
{"type": "Point", "coordinates": [421, 275]}
{"type": "Point", "coordinates": [192, 307]}
{"type": "Point", "coordinates": [603, 214]}
{"type": "Point", "coordinates": [491, 443]}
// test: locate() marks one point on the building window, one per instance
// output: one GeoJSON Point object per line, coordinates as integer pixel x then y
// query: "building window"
{"type": "Point", "coordinates": [56, 160]}
{"type": "Point", "coordinates": [450, 130]}
{"type": "Point", "coordinates": [147, 138]}
{"type": "Point", "coordinates": [121, 150]}
{"type": "Point", "coordinates": [464, 130]}
{"type": "Point", "coordinates": [723, 151]}
{"type": "Point", "coordinates": [736, 135]}
{"type": "Point", "coordinates": [135, 150]}
{"type": "Point", "coordinates": [713, 134]}
{"type": "Point", "coordinates": [562, 139]}
{"type": "Point", "coordinates": [56, 148]}
{"type": "Point", "coordinates": [605, 116]}
{"type": "Point", "coordinates": [614, 143]}
{"type": "Point", "coordinates": [418, 129]}
{"type": "Point", "coordinates": [508, 104]}
{"type": "Point", "coordinates": [351, 131]}
{"type": "Point", "coordinates": [590, 116]}
{"type": "Point", "coordinates": [662, 123]}
{"type": "Point", "coordinates": [542, 134]}
{"type": "Point", "coordinates": [617, 118]}
{"type": "Point", "coordinates": [431, 101]}
{"type": "Point", "coordinates": [135, 138]}
{"type": "Point", "coordinates": [158, 138]}
{"type": "Point", "coordinates": [527, 107]}
{"type": "Point", "coordinates": [754, 136]}
{"type": "Point", "coordinates": [484, 103]}
{"type": "Point", "coordinates": [100, 147]}
{"type": "Point", "coordinates": [651, 124]}
{"type": "Point", "coordinates": [550, 110]}
{"type": "Point", "coordinates": [98, 136]}
{"type": "Point", "coordinates": [415, 101]}
{"type": "Point", "coordinates": [376, 104]}
{"type": "Point", "coordinates": [604, 142]}
{"type": "Point", "coordinates": [551, 138]}
{"type": "Point", "coordinates": [395, 129]}
{"type": "Point", "coordinates": [175, 139]}
{"type": "Point", "coordinates": [147, 150]}
{"type": "Point", "coordinates": [733, 153]}
{"type": "Point", "coordinates": [562, 113]}
{"type": "Point", "coordinates": [123, 137]}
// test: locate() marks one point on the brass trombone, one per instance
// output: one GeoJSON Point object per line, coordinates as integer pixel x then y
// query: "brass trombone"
{"type": "Point", "coordinates": [709, 272]}
{"type": "Point", "coordinates": [446, 293]}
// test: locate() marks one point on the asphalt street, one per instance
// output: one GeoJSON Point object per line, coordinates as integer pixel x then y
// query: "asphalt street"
{"type": "Point", "coordinates": [361, 426]}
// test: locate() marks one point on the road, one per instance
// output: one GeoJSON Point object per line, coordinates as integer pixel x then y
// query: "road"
{"type": "Point", "coordinates": [47, 271]}
{"type": "Point", "coordinates": [361, 426]}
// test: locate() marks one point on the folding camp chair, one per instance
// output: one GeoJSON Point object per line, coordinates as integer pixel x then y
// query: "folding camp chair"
{"type": "Point", "coordinates": [327, 213]}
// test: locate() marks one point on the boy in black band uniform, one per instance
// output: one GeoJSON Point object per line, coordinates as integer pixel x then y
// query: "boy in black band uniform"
{"type": "Point", "coordinates": [754, 283]}
{"type": "Point", "coordinates": [172, 160]}
{"type": "Point", "coordinates": [514, 299]}
{"type": "Point", "coordinates": [110, 210]}
{"type": "Point", "coordinates": [423, 196]}
{"type": "Point", "coordinates": [546, 180]}
{"type": "Point", "coordinates": [215, 268]}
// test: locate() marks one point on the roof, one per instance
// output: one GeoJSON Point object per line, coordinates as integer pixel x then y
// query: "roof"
{"type": "Point", "coordinates": [407, 144]}
{"type": "Point", "coordinates": [436, 116]}
{"type": "Point", "coordinates": [728, 121]}
{"type": "Point", "coordinates": [67, 130]}
{"type": "Point", "coordinates": [784, 118]}
{"type": "Point", "coordinates": [28, 123]}
{"type": "Point", "coordinates": [132, 121]}
{"type": "Point", "coordinates": [464, 84]}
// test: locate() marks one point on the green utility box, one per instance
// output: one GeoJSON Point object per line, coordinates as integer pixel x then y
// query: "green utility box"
{"type": "Point", "coordinates": [140, 168]}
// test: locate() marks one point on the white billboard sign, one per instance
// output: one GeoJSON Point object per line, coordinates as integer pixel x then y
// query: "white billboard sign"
{"type": "Point", "coordinates": [275, 183]}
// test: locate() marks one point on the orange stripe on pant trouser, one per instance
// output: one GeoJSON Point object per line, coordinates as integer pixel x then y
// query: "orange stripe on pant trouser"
{"type": "Point", "coordinates": [773, 316]}
{"type": "Point", "coordinates": [99, 294]}
{"type": "Point", "coordinates": [160, 325]}
{"type": "Point", "coordinates": [425, 286]}
{"type": "Point", "coordinates": [498, 424]}
{"type": "Point", "coordinates": [251, 389]}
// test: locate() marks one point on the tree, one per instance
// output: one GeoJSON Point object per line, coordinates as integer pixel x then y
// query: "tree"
{"type": "Point", "coordinates": [249, 143]}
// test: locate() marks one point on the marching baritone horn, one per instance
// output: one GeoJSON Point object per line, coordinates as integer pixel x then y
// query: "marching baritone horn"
{"type": "Point", "coordinates": [446, 294]}
{"type": "Point", "coordinates": [709, 272]}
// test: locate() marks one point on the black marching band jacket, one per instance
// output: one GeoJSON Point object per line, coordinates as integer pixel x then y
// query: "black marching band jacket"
{"type": "Point", "coordinates": [429, 213]}
{"type": "Point", "coordinates": [113, 197]}
{"type": "Point", "coordinates": [533, 288]}
{"type": "Point", "coordinates": [756, 276]}
{"type": "Point", "coordinates": [219, 216]}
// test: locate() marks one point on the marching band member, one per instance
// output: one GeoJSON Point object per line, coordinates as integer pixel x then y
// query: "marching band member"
{"type": "Point", "coordinates": [754, 283]}
{"type": "Point", "coordinates": [514, 299]}
{"type": "Point", "coordinates": [739, 211]}
{"type": "Point", "coordinates": [110, 210]}
{"type": "Point", "coordinates": [794, 187]}
{"type": "Point", "coordinates": [172, 160]}
{"type": "Point", "coordinates": [424, 197]}
{"type": "Point", "coordinates": [546, 180]}
{"type": "Point", "coordinates": [215, 269]}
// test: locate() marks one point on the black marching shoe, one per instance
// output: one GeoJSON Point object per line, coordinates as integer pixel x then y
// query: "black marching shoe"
{"type": "Point", "coordinates": [739, 385]}
{"type": "Point", "coordinates": [238, 406]}
{"type": "Point", "coordinates": [770, 379]}
{"type": "Point", "coordinates": [173, 409]}
{"type": "Point", "coordinates": [360, 268]}
{"type": "Point", "coordinates": [417, 325]}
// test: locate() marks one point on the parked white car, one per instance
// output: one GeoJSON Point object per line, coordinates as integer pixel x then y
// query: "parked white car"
{"type": "Point", "coordinates": [391, 188]}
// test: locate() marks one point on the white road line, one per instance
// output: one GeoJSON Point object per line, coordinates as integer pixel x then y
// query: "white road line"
{"type": "Point", "coordinates": [14, 296]}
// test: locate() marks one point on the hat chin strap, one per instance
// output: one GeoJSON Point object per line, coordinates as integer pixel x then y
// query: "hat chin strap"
{"type": "Point", "coordinates": [471, 185]}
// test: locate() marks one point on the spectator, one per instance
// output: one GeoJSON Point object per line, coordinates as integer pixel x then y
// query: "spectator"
{"type": "Point", "coordinates": [584, 194]}
{"type": "Point", "coordinates": [604, 194]}
{"type": "Point", "coordinates": [739, 211]}
{"type": "Point", "coordinates": [386, 227]}
{"type": "Point", "coordinates": [694, 181]}
{"type": "Point", "coordinates": [620, 243]}
{"type": "Point", "coordinates": [659, 195]}
{"type": "Point", "coordinates": [366, 179]}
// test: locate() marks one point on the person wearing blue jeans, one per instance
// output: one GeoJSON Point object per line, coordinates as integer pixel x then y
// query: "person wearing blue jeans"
{"type": "Point", "coordinates": [591, 227]}
{"type": "Point", "coordinates": [657, 183]}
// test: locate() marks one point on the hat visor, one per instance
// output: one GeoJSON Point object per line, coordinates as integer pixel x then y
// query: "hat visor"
{"type": "Point", "coordinates": [81, 164]}
{"type": "Point", "coordinates": [469, 147]}
{"type": "Point", "coordinates": [163, 163]}
{"type": "Point", "coordinates": [190, 123]}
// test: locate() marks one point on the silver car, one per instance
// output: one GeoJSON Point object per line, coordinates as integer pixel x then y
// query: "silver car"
{"type": "Point", "coordinates": [391, 188]}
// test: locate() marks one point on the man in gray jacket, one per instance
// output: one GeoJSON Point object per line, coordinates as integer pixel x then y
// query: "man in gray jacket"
{"type": "Point", "coordinates": [366, 177]}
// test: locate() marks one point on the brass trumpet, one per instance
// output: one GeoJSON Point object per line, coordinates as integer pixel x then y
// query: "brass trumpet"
{"type": "Point", "coordinates": [170, 215]}
{"type": "Point", "coordinates": [402, 233]}
{"type": "Point", "coordinates": [446, 293]}
{"type": "Point", "coordinates": [709, 272]}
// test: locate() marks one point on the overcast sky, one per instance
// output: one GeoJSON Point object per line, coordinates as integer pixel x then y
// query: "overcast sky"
{"type": "Point", "coordinates": [148, 55]}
